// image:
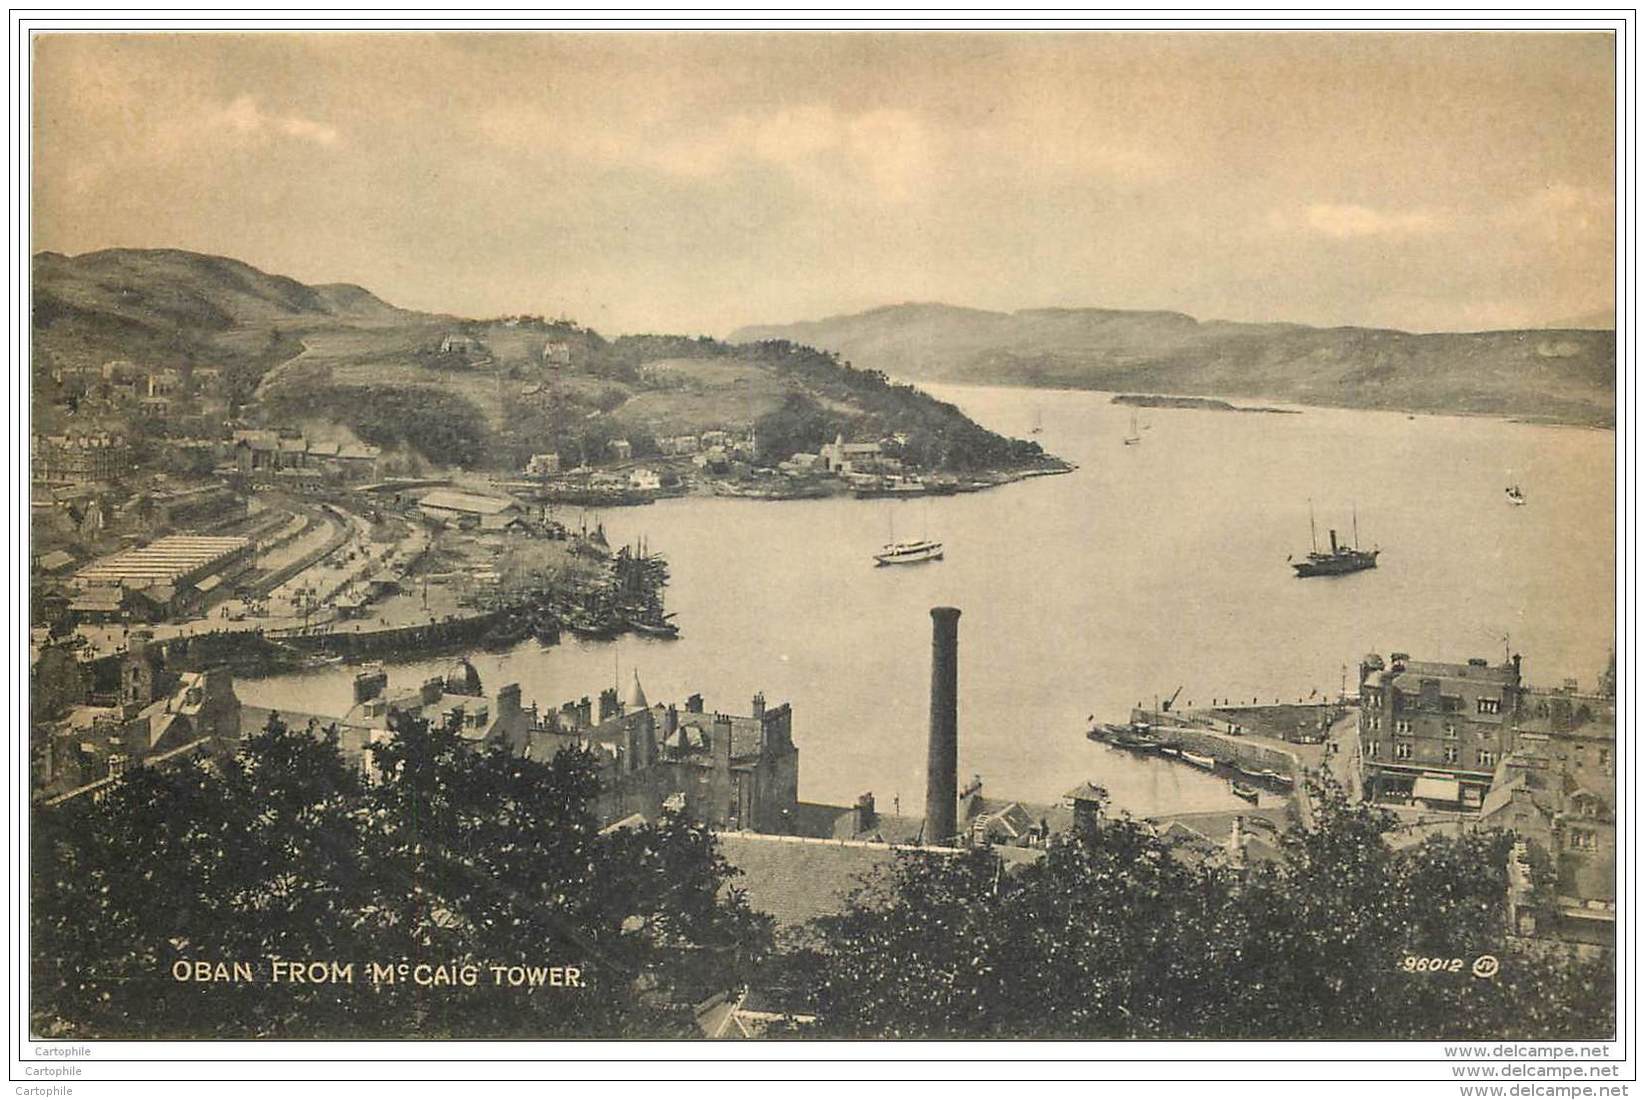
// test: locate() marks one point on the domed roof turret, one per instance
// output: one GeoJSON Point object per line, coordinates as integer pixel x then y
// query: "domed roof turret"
{"type": "Point", "coordinates": [463, 679]}
{"type": "Point", "coordinates": [636, 697]}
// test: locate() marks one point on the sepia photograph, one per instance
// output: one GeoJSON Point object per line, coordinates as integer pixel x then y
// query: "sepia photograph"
{"type": "Point", "coordinates": [789, 535]}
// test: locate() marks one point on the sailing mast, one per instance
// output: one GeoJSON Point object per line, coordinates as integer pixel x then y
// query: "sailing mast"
{"type": "Point", "coordinates": [1356, 527]}
{"type": "Point", "coordinates": [1313, 536]}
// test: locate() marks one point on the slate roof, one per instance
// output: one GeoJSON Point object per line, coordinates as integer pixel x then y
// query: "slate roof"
{"type": "Point", "coordinates": [453, 501]}
{"type": "Point", "coordinates": [57, 559]}
{"type": "Point", "coordinates": [797, 879]}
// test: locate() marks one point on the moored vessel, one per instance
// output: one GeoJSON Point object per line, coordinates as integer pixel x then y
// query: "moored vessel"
{"type": "Point", "coordinates": [1339, 559]}
{"type": "Point", "coordinates": [909, 553]}
{"type": "Point", "coordinates": [1132, 439]}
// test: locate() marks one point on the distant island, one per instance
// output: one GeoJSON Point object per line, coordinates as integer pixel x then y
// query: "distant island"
{"type": "Point", "coordinates": [1210, 404]}
{"type": "Point", "coordinates": [1562, 375]}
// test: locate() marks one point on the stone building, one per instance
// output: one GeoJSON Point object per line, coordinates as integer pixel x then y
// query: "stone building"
{"type": "Point", "coordinates": [1435, 731]}
{"type": "Point", "coordinates": [130, 712]}
{"type": "Point", "coordinates": [78, 458]}
{"type": "Point", "coordinates": [840, 457]}
{"type": "Point", "coordinates": [728, 771]}
{"type": "Point", "coordinates": [543, 465]}
{"type": "Point", "coordinates": [1556, 789]}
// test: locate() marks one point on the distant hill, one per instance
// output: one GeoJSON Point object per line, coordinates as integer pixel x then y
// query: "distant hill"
{"type": "Point", "coordinates": [1565, 375]}
{"type": "Point", "coordinates": [169, 287]}
{"type": "Point", "coordinates": [174, 308]}
{"type": "Point", "coordinates": [475, 393]}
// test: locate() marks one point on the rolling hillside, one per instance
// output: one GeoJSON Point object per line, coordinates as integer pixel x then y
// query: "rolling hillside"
{"type": "Point", "coordinates": [472, 393]}
{"type": "Point", "coordinates": [1564, 375]}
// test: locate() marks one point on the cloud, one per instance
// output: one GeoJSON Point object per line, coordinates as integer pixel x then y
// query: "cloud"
{"type": "Point", "coordinates": [883, 154]}
{"type": "Point", "coordinates": [246, 117]}
{"type": "Point", "coordinates": [1347, 220]}
{"type": "Point", "coordinates": [887, 154]}
{"type": "Point", "coordinates": [1561, 211]}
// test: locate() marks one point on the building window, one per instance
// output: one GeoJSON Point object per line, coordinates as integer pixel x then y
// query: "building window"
{"type": "Point", "coordinates": [1372, 748]}
{"type": "Point", "coordinates": [1605, 758]}
{"type": "Point", "coordinates": [1490, 706]}
{"type": "Point", "coordinates": [1402, 750]}
{"type": "Point", "coordinates": [1487, 758]}
{"type": "Point", "coordinates": [1583, 841]}
{"type": "Point", "coordinates": [1402, 726]}
{"type": "Point", "coordinates": [1451, 730]}
{"type": "Point", "coordinates": [1450, 754]}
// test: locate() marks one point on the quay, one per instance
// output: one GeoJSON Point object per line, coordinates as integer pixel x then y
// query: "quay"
{"type": "Point", "coordinates": [1272, 745]}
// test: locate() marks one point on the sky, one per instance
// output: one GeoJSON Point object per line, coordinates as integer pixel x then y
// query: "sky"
{"type": "Point", "coordinates": [695, 182]}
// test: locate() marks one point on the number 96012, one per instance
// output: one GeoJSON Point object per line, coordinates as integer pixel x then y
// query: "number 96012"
{"type": "Point", "coordinates": [1418, 964]}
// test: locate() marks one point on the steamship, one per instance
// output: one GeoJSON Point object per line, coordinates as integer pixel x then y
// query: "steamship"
{"type": "Point", "coordinates": [1340, 559]}
{"type": "Point", "coordinates": [909, 553]}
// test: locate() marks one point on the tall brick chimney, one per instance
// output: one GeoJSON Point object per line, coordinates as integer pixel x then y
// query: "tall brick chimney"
{"type": "Point", "coordinates": [942, 752]}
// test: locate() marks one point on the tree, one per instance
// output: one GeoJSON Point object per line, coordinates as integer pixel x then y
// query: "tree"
{"type": "Point", "coordinates": [227, 860]}
{"type": "Point", "coordinates": [455, 860]}
{"type": "Point", "coordinates": [1111, 935]}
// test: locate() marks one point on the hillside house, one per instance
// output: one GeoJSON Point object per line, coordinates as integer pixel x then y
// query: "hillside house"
{"type": "Point", "coordinates": [543, 465]}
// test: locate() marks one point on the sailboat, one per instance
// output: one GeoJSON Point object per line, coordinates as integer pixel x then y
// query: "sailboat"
{"type": "Point", "coordinates": [1516, 495]}
{"type": "Point", "coordinates": [1133, 439]}
{"type": "Point", "coordinates": [907, 553]}
{"type": "Point", "coordinates": [1038, 424]}
{"type": "Point", "coordinates": [1340, 560]}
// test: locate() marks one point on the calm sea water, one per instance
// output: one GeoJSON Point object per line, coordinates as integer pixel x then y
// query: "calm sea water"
{"type": "Point", "coordinates": [1151, 566]}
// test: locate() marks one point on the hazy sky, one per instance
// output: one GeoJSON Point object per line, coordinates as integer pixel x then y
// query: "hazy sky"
{"type": "Point", "coordinates": [695, 182]}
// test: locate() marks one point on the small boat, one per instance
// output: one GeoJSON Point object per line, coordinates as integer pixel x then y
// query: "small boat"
{"type": "Point", "coordinates": [1170, 750]}
{"type": "Point", "coordinates": [1199, 760]}
{"type": "Point", "coordinates": [1135, 740]}
{"type": "Point", "coordinates": [1132, 439]}
{"type": "Point", "coordinates": [1245, 791]}
{"type": "Point", "coordinates": [1276, 778]}
{"type": "Point", "coordinates": [1516, 495]}
{"type": "Point", "coordinates": [594, 625]}
{"type": "Point", "coordinates": [892, 485]}
{"type": "Point", "coordinates": [653, 625]}
{"type": "Point", "coordinates": [505, 632]}
{"type": "Point", "coordinates": [1038, 425]}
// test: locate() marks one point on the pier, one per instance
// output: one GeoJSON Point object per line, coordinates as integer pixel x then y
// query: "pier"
{"type": "Point", "coordinates": [1279, 743]}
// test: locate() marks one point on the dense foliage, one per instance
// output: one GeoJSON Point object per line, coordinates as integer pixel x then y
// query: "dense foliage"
{"type": "Point", "coordinates": [445, 427]}
{"type": "Point", "coordinates": [1111, 936]}
{"type": "Point", "coordinates": [452, 857]}
{"type": "Point", "coordinates": [938, 435]}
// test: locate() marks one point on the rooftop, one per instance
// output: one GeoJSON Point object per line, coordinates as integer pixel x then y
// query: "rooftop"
{"type": "Point", "coordinates": [163, 561]}
{"type": "Point", "coordinates": [453, 501]}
